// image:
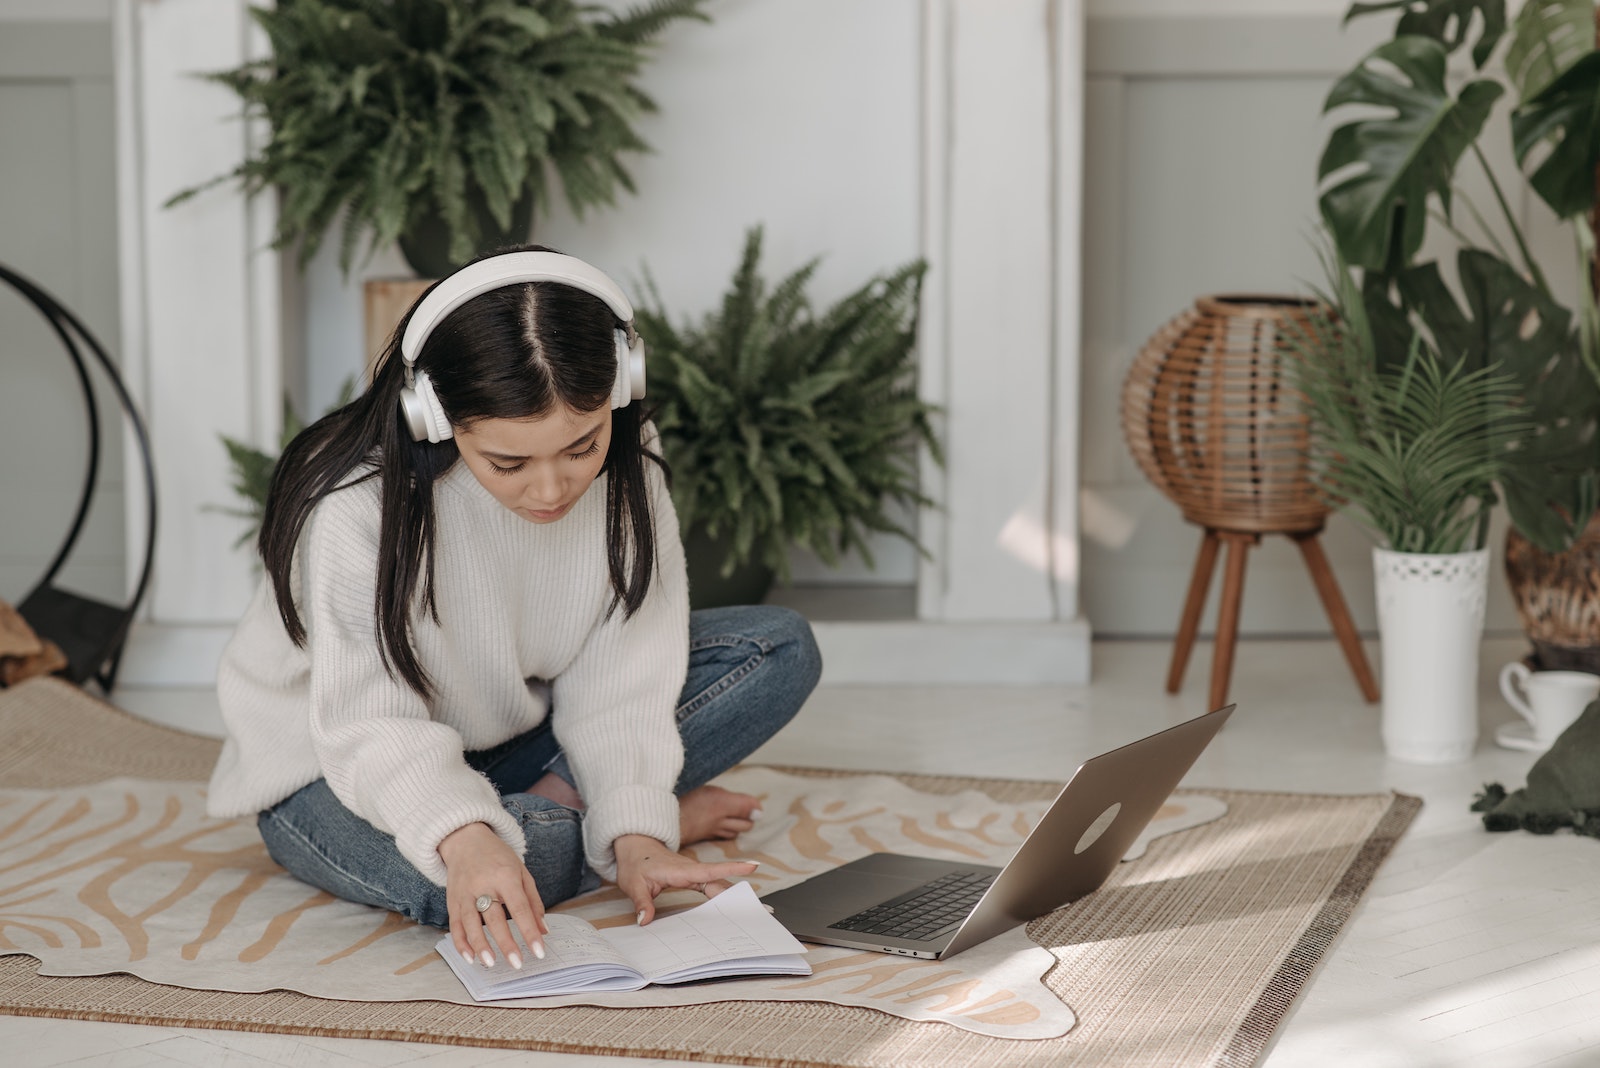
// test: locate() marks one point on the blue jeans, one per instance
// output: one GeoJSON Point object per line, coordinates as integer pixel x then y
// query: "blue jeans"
{"type": "Point", "coordinates": [750, 670]}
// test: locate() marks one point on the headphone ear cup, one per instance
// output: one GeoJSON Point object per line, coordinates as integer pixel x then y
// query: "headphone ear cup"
{"type": "Point", "coordinates": [423, 413]}
{"type": "Point", "coordinates": [412, 412]}
{"type": "Point", "coordinates": [629, 382]}
{"type": "Point", "coordinates": [636, 367]}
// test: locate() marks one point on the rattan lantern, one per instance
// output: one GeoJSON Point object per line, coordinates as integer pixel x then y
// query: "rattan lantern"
{"type": "Point", "coordinates": [1213, 423]}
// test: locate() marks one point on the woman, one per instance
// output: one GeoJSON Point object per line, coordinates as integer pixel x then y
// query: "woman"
{"type": "Point", "coordinates": [469, 685]}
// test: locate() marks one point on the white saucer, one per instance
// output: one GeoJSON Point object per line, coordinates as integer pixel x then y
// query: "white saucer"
{"type": "Point", "coordinates": [1519, 735]}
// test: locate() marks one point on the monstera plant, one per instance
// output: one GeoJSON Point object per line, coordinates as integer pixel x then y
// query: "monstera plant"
{"type": "Point", "coordinates": [1401, 167]}
{"type": "Point", "coordinates": [1388, 177]}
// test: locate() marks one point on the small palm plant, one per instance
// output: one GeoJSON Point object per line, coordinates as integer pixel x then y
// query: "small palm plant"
{"type": "Point", "coordinates": [788, 427]}
{"type": "Point", "coordinates": [1412, 450]}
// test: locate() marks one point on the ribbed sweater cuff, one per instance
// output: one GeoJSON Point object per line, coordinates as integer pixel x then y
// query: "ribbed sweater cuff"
{"type": "Point", "coordinates": [630, 810]}
{"type": "Point", "coordinates": [425, 830]}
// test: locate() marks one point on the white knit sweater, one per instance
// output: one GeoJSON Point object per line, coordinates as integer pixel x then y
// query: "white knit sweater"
{"type": "Point", "coordinates": [520, 605]}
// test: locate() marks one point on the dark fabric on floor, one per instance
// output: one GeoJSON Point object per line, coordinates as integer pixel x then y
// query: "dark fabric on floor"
{"type": "Point", "coordinates": [1563, 787]}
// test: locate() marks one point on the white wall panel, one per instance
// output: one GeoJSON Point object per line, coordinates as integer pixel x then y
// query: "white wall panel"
{"type": "Point", "coordinates": [1000, 259]}
{"type": "Point", "coordinates": [196, 260]}
{"type": "Point", "coordinates": [57, 227]}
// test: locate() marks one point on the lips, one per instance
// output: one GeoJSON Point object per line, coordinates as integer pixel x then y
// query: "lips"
{"type": "Point", "coordinates": [546, 515]}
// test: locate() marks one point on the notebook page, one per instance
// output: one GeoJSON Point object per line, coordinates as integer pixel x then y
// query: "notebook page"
{"type": "Point", "coordinates": [576, 958]}
{"type": "Point", "coordinates": [733, 926]}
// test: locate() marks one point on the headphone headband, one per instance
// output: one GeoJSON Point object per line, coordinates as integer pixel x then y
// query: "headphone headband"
{"type": "Point", "coordinates": [512, 268]}
{"type": "Point", "coordinates": [421, 408]}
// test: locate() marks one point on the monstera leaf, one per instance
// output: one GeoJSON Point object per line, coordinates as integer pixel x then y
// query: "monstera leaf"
{"type": "Point", "coordinates": [1550, 492]}
{"type": "Point", "coordinates": [1566, 114]}
{"type": "Point", "coordinates": [1400, 158]}
{"type": "Point", "coordinates": [1515, 327]}
{"type": "Point", "coordinates": [1548, 37]}
{"type": "Point", "coordinates": [1446, 21]}
{"type": "Point", "coordinates": [1508, 320]}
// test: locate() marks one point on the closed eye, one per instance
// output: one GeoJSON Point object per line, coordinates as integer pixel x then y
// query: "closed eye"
{"type": "Point", "coordinates": [594, 447]}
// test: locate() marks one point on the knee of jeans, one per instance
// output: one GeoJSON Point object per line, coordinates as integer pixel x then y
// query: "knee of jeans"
{"type": "Point", "coordinates": [796, 644]}
{"type": "Point", "coordinates": [395, 886]}
{"type": "Point", "coordinates": [553, 852]}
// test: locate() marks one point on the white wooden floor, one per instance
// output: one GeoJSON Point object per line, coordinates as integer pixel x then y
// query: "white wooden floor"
{"type": "Point", "coordinates": [1470, 948]}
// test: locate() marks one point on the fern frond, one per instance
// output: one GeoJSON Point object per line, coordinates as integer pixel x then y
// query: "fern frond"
{"type": "Point", "coordinates": [384, 113]}
{"type": "Point", "coordinates": [786, 426]}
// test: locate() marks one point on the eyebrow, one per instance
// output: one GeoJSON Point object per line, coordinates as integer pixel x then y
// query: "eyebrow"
{"type": "Point", "coordinates": [565, 448]}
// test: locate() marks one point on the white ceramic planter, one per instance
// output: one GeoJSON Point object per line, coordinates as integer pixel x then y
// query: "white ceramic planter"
{"type": "Point", "coordinates": [1430, 624]}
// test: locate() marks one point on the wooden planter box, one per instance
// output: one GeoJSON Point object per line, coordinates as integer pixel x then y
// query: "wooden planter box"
{"type": "Point", "coordinates": [385, 302]}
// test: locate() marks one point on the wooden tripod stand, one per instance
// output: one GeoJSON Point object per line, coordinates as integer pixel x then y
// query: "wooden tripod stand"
{"type": "Point", "coordinates": [1239, 543]}
{"type": "Point", "coordinates": [1213, 424]}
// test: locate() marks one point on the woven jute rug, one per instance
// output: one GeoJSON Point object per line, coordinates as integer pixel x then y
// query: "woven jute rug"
{"type": "Point", "coordinates": [1190, 955]}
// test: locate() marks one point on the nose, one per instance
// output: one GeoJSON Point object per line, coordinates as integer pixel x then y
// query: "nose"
{"type": "Point", "coordinates": [544, 487]}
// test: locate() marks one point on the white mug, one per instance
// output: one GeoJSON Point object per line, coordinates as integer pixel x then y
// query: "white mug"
{"type": "Point", "coordinates": [1548, 700]}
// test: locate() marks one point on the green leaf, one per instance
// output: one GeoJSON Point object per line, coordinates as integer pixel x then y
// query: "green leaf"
{"type": "Point", "coordinates": [1507, 319]}
{"type": "Point", "coordinates": [1377, 173]}
{"type": "Point", "coordinates": [1521, 329]}
{"type": "Point", "coordinates": [381, 114]}
{"type": "Point", "coordinates": [788, 426]}
{"type": "Point", "coordinates": [643, 23]}
{"type": "Point", "coordinates": [1549, 36]}
{"type": "Point", "coordinates": [1415, 451]}
{"type": "Point", "coordinates": [528, 21]}
{"type": "Point", "coordinates": [1446, 21]}
{"type": "Point", "coordinates": [1566, 117]}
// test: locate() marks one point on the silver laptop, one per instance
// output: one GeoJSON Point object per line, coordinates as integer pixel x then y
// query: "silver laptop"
{"type": "Point", "coordinates": [921, 907]}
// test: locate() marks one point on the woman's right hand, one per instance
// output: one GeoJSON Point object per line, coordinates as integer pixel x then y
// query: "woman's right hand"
{"type": "Point", "coordinates": [478, 862]}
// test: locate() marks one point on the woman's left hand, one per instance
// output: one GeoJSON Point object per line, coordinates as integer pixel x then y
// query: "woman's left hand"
{"type": "Point", "coordinates": [645, 868]}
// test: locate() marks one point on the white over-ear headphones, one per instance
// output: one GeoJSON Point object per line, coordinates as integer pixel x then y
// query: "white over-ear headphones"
{"type": "Point", "coordinates": [418, 403]}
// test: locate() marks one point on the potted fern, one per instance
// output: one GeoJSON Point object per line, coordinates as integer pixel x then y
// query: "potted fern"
{"type": "Point", "coordinates": [1415, 451]}
{"type": "Point", "coordinates": [788, 426]}
{"type": "Point", "coordinates": [1403, 163]}
{"type": "Point", "coordinates": [442, 125]}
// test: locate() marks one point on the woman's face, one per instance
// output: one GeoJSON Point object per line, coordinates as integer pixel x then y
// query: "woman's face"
{"type": "Point", "coordinates": [537, 467]}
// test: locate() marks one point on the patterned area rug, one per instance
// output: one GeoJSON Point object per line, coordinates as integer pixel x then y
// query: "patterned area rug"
{"type": "Point", "coordinates": [1190, 955]}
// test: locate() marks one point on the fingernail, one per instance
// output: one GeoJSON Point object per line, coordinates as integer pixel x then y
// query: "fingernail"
{"type": "Point", "coordinates": [487, 958]}
{"type": "Point", "coordinates": [755, 813]}
{"type": "Point", "coordinates": [538, 950]}
{"type": "Point", "coordinates": [516, 960]}
{"type": "Point", "coordinates": [640, 917]}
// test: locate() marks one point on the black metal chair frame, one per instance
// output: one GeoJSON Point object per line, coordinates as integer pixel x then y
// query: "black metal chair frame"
{"type": "Point", "coordinates": [91, 633]}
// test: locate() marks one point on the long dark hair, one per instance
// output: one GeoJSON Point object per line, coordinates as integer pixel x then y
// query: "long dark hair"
{"type": "Point", "coordinates": [511, 353]}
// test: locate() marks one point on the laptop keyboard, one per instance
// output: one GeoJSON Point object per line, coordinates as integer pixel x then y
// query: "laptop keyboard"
{"type": "Point", "coordinates": [924, 913]}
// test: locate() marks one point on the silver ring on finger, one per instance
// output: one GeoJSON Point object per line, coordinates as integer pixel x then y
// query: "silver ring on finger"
{"type": "Point", "coordinates": [484, 901]}
{"type": "Point", "coordinates": [702, 889]}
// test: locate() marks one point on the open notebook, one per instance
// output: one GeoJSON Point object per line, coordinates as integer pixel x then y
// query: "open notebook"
{"type": "Point", "coordinates": [731, 934]}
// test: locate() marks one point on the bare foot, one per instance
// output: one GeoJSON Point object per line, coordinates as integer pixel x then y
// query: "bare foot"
{"type": "Point", "coordinates": [708, 812]}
